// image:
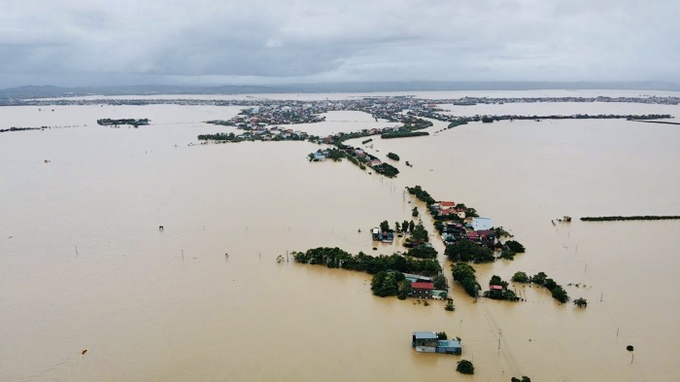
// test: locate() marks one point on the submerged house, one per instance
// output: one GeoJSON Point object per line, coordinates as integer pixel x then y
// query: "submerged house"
{"type": "Point", "coordinates": [429, 342]}
{"type": "Point", "coordinates": [425, 342]}
{"type": "Point", "coordinates": [422, 290]}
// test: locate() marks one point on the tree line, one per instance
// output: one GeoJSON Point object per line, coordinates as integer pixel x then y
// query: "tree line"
{"type": "Point", "coordinates": [337, 258]}
{"type": "Point", "coordinates": [543, 280]}
{"type": "Point", "coordinates": [625, 218]}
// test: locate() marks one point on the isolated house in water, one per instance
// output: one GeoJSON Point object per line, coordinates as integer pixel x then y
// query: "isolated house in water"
{"type": "Point", "coordinates": [425, 342]}
{"type": "Point", "coordinates": [429, 342]}
{"type": "Point", "coordinates": [422, 290]}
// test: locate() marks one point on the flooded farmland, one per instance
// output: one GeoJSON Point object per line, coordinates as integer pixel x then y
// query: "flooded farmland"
{"type": "Point", "coordinates": [83, 265]}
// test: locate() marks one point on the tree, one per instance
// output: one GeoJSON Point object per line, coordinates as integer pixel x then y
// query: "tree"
{"type": "Point", "coordinates": [422, 252]}
{"type": "Point", "coordinates": [465, 250]}
{"type": "Point", "coordinates": [411, 226]}
{"type": "Point", "coordinates": [440, 282]}
{"type": "Point", "coordinates": [420, 233]}
{"type": "Point", "coordinates": [524, 379]}
{"type": "Point", "coordinates": [520, 277]}
{"type": "Point", "coordinates": [515, 246]}
{"type": "Point", "coordinates": [414, 212]}
{"type": "Point", "coordinates": [397, 227]}
{"type": "Point", "coordinates": [539, 278]}
{"type": "Point", "coordinates": [581, 302]}
{"type": "Point", "coordinates": [559, 294]}
{"type": "Point", "coordinates": [439, 226]}
{"type": "Point", "coordinates": [449, 305]}
{"type": "Point", "coordinates": [384, 226]}
{"type": "Point", "coordinates": [404, 226]}
{"type": "Point", "coordinates": [500, 233]}
{"type": "Point", "coordinates": [464, 274]}
{"type": "Point", "coordinates": [384, 284]}
{"type": "Point", "coordinates": [496, 280]}
{"type": "Point", "coordinates": [465, 367]}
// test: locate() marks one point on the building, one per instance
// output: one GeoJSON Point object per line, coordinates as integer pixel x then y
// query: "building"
{"type": "Point", "coordinates": [417, 278]}
{"type": "Point", "coordinates": [422, 290]}
{"type": "Point", "coordinates": [429, 342]}
{"type": "Point", "coordinates": [425, 342]}
{"type": "Point", "coordinates": [449, 347]}
{"type": "Point", "coordinates": [479, 224]}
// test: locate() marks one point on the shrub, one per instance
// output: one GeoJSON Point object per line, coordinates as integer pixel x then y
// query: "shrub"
{"type": "Point", "coordinates": [465, 367]}
{"type": "Point", "coordinates": [520, 277]}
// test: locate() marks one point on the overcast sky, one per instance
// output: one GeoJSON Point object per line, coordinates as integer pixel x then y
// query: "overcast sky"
{"type": "Point", "coordinates": [97, 42]}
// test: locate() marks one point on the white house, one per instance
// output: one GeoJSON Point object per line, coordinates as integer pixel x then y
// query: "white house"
{"type": "Point", "coordinates": [479, 224]}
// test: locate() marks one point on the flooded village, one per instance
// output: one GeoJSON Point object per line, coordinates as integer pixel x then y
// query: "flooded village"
{"type": "Point", "coordinates": [455, 262]}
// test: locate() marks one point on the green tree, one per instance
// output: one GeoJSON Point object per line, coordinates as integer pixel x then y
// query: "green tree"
{"type": "Point", "coordinates": [515, 246]}
{"type": "Point", "coordinates": [440, 282]}
{"type": "Point", "coordinates": [465, 367]}
{"type": "Point", "coordinates": [404, 226]}
{"type": "Point", "coordinates": [397, 227]}
{"type": "Point", "coordinates": [449, 305]}
{"type": "Point", "coordinates": [465, 250]}
{"type": "Point", "coordinates": [539, 278]}
{"type": "Point", "coordinates": [414, 212]}
{"type": "Point", "coordinates": [464, 274]}
{"type": "Point", "coordinates": [524, 379]}
{"type": "Point", "coordinates": [422, 252]}
{"type": "Point", "coordinates": [420, 233]}
{"type": "Point", "coordinates": [384, 226]}
{"type": "Point", "coordinates": [500, 233]}
{"type": "Point", "coordinates": [384, 284]}
{"type": "Point", "coordinates": [439, 226]}
{"type": "Point", "coordinates": [559, 294]}
{"type": "Point", "coordinates": [581, 302]}
{"type": "Point", "coordinates": [496, 280]}
{"type": "Point", "coordinates": [520, 277]}
{"type": "Point", "coordinates": [411, 226]}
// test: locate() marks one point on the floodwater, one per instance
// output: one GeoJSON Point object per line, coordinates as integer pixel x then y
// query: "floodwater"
{"type": "Point", "coordinates": [84, 266]}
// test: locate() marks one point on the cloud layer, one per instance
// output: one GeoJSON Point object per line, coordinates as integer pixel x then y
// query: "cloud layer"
{"type": "Point", "coordinates": [212, 42]}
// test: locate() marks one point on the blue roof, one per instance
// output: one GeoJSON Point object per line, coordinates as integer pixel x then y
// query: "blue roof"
{"type": "Point", "coordinates": [449, 343]}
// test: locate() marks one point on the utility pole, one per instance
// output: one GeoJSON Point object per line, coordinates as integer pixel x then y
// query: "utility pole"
{"type": "Point", "coordinates": [500, 332]}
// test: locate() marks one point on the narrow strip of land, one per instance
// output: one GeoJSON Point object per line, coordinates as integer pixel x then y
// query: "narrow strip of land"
{"type": "Point", "coordinates": [661, 122]}
{"type": "Point", "coordinates": [624, 218]}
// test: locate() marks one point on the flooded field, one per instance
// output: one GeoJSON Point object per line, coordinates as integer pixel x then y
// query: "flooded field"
{"type": "Point", "coordinates": [83, 265]}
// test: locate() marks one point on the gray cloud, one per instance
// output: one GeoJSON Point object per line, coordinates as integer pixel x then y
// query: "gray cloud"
{"type": "Point", "coordinates": [204, 41]}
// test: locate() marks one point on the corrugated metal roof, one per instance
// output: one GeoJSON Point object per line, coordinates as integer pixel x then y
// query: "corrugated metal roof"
{"type": "Point", "coordinates": [422, 286]}
{"type": "Point", "coordinates": [425, 335]}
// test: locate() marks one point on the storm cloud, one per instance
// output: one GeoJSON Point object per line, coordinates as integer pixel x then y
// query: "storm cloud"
{"type": "Point", "coordinates": [272, 42]}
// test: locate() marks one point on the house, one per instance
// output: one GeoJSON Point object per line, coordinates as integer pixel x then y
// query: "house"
{"type": "Point", "coordinates": [429, 342]}
{"type": "Point", "coordinates": [417, 278]}
{"type": "Point", "coordinates": [495, 291]}
{"type": "Point", "coordinates": [422, 290]}
{"type": "Point", "coordinates": [443, 206]}
{"type": "Point", "coordinates": [439, 294]}
{"type": "Point", "coordinates": [376, 234]}
{"type": "Point", "coordinates": [388, 237]}
{"type": "Point", "coordinates": [318, 157]}
{"type": "Point", "coordinates": [425, 342]}
{"type": "Point", "coordinates": [479, 224]}
{"type": "Point", "coordinates": [449, 347]}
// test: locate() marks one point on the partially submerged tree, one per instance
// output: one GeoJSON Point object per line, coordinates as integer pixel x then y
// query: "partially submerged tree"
{"type": "Point", "coordinates": [465, 367]}
{"type": "Point", "coordinates": [581, 302]}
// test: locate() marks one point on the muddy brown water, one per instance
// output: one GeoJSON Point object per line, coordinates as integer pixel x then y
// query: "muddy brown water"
{"type": "Point", "coordinates": [83, 265]}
